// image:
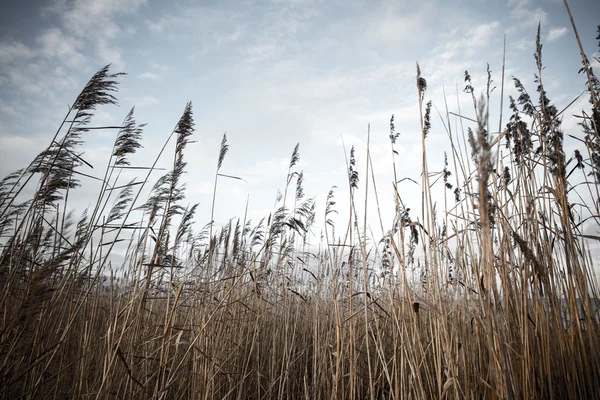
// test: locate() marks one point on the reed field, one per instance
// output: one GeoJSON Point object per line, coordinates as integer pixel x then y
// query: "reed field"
{"type": "Point", "coordinates": [487, 291]}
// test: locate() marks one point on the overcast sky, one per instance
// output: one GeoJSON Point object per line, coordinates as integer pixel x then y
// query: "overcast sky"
{"type": "Point", "coordinates": [272, 74]}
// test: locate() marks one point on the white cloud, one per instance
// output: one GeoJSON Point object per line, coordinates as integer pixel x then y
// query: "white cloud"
{"type": "Point", "coordinates": [230, 37]}
{"type": "Point", "coordinates": [23, 80]}
{"type": "Point", "coordinates": [557, 33]}
{"type": "Point", "coordinates": [143, 101]}
{"type": "Point", "coordinates": [92, 21]}
{"type": "Point", "coordinates": [518, 3]}
{"type": "Point", "coordinates": [261, 51]}
{"type": "Point", "coordinates": [469, 44]}
{"type": "Point", "coordinates": [202, 20]}
{"type": "Point", "coordinates": [156, 26]}
{"type": "Point", "coordinates": [210, 27]}
{"type": "Point", "coordinates": [67, 49]}
{"type": "Point", "coordinates": [16, 52]}
{"type": "Point", "coordinates": [595, 61]}
{"type": "Point", "coordinates": [524, 44]}
{"type": "Point", "coordinates": [394, 24]}
{"type": "Point", "coordinates": [92, 18]}
{"type": "Point", "coordinates": [397, 28]}
{"type": "Point", "coordinates": [525, 15]}
{"type": "Point", "coordinates": [17, 150]}
{"type": "Point", "coordinates": [147, 75]}
{"type": "Point", "coordinates": [110, 55]}
{"type": "Point", "coordinates": [483, 34]}
{"type": "Point", "coordinates": [570, 122]}
{"type": "Point", "coordinates": [8, 110]}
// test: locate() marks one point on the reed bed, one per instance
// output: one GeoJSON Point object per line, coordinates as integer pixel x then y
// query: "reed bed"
{"type": "Point", "coordinates": [488, 291]}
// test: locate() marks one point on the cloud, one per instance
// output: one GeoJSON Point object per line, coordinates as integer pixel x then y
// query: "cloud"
{"type": "Point", "coordinates": [397, 28]}
{"type": "Point", "coordinates": [93, 18]}
{"type": "Point", "coordinates": [261, 51]}
{"type": "Point", "coordinates": [518, 3]}
{"type": "Point", "coordinates": [483, 34]}
{"type": "Point", "coordinates": [469, 44]}
{"type": "Point", "coordinates": [67, 49]}
{"type": "Point", "coordinates": [94, 21]}
{"type": "Point", "coordinates": [207, 21]}
{"type": "Point", "coordinates": [156, 26]}
{"type": "Point", "coordinates": [7, 110]}
{"type": "Point", "coordinates": [143, 101]}
{"type": "Point", "coordinates": [14, 53]}
{"type": "Point", "coordinates": [524, 44]}
{"type": "Point", "coordinates": [147, 75]}
{"type": "Point", "coordinates": [525, 15]}
{"type": "Point", "coordinates": [39, 73]}
{"type": "Point", "coordinates": [30, 79]}
{"type": "Point", "coordinates": [595, 61]}
{"type": "Point", "coordinates": [18, 150]}
{"type": "Point", "coordinates": [557, 33]}
{"type": "Point", "coordinates": [211, 27]}
{"type": "Point", "coordinates": [570, 122]}
{"type": "Point", "coordinates": [393, 24]}
{"type": "Point", "coordinates": [110, 55]}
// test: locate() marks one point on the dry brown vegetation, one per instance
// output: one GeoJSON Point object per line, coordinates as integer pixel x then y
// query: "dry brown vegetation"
{"type": "Point", "coordinates": [503, 306]}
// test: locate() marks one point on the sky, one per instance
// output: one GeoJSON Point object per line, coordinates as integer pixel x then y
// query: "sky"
{"type": "Point", "coordinates": [274, 73]}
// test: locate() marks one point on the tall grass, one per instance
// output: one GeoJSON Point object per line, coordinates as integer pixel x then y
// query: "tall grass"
{"type": "Point", "coordinates": [491, 296]}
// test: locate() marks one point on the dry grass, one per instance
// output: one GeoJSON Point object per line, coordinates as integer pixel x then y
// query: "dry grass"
{"type": "Point", "coordinates": [504, 304]}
